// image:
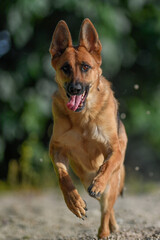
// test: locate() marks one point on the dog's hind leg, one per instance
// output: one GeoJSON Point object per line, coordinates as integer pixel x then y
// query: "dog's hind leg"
{"type": "Point", "coordinates": [108, 221]}
{"type": "Point", "coordinates": [113, 226]}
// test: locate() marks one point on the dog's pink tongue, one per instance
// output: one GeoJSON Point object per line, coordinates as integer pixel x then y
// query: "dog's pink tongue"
{"type": "Point", "coordinates": [74, 102]}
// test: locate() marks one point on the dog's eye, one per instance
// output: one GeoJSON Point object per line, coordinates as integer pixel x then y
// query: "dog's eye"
{"type": "Point", "coordinates": [85, 67]}
{"type": "Point", "coordinates": [66, 69]}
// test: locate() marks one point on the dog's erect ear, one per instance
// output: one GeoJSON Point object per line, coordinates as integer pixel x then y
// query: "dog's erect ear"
{"type": "Point", "coordinates": [89, 39]}
{"type": "Point", "coordinates": [61, 39]}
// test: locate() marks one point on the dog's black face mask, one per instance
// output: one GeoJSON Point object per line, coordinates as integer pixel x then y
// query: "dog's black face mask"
{"type": "Point", "coordinates": [77, 94]}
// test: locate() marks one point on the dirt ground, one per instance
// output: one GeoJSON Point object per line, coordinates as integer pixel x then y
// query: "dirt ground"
{"type": "Point", "coordinates": [44, 216]}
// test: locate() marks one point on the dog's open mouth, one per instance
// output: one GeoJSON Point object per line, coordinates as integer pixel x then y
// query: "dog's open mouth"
{"type": "Point", "coordinates": [77, 102]}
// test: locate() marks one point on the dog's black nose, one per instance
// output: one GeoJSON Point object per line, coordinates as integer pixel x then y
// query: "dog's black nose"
{"type": "Point", "coordinates": [75, 88]}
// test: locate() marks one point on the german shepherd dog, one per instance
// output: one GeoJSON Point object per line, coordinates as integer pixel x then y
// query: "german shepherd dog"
{"type": "Point", "coordinates": [87, 132]}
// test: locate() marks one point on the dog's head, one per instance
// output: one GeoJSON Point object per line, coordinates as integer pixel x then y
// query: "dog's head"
{"type": "Point", "coordinates": [77, 68]}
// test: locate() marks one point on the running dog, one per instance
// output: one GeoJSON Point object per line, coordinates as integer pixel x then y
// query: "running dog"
{"type": "Point", "coordinates": [87, 132]}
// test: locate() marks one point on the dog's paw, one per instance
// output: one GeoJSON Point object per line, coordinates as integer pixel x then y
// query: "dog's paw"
{"type": "Point", "coordinates": [103, 236]}
{"type": "Point", "coordinates": [96, 188]}
{"type": "Point", "coordinates": [76, 204]}
{"type": "Point", "coordinates": [103, 233]}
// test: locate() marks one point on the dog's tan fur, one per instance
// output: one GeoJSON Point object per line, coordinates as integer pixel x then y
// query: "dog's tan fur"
{"type": "Point", "coordinates": [92, 141]}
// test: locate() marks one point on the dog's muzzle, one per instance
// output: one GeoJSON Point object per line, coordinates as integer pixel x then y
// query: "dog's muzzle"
{"type": "Point", "coordinates": [77, 94]}
{"type": "Point", "coordinates": [75, 88]}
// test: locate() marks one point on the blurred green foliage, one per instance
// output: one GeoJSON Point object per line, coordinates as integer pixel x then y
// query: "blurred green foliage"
{"type": "Point", "coordinates": [130, 35]}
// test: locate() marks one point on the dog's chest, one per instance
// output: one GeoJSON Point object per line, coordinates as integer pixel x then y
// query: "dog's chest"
{"type": "Point", "coordinates": [86, 146]}
{"type": "Point", "coordinates": [96, 133]}
{"type": "Point", "coordinates": [92, 134]}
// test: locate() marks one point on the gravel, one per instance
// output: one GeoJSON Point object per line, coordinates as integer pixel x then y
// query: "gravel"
{"type": "Point", "coordinates": [33, 215]}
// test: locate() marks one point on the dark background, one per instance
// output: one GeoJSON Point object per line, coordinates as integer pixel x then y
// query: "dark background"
{"type": "Point", "coordinates": [130, 35]}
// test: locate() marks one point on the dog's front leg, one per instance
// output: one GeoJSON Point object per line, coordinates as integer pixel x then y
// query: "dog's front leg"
{"type": "Point", "coordinates": [106, 170]}
{"type": "Point", "coordinates": [71, 196]}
